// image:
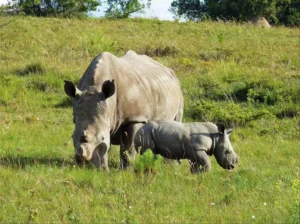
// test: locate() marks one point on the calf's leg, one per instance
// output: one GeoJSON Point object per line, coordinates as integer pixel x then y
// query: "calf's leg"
{"type": "Point", "coordinates": [199, 158]}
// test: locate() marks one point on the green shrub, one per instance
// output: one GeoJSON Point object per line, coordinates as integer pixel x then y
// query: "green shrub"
{"type": "Point", "coordinates": [218, 54]}
{"type": "Point", "coordinates": [160, 51]}
{"type": "Point", "coordinates": [148, 162]}
{"type": "Point", "coordinates": [38, 86]}
{"type": "Point", "coordinates": [229, 113]}
{"type": "Point", "coordinates": [35, 68]}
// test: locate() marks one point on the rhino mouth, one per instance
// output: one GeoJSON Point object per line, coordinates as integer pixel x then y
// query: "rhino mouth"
{"type": "Point", "coordinates": [231, 165]}
{"type": "Point", "coordinates": [84, 152]}
{"type": "Point", "coordinates": [83, 157]}
{"type": "Point", "coordinates": [79, 160]}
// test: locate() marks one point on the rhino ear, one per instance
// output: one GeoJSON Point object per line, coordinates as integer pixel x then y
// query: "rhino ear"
{"type": "Point", "coordinates": [221, 127]}
{"type": "Point", "coordinates": [70, 89]}
{"type": "Point", "coordinates": [108, 88]}
{"type": "Point", "coordinates": [229, 131]}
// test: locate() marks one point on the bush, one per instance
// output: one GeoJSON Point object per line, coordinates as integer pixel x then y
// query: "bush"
{"type": "Point", "coordinates": [38, 86]}
{"type": "Point", "coordinates": [35, 68]}
{"type": "Point", "coordinates": [228, 113]}
{"type": "Point", "coordinates": [148, 162]}
{"type": "Point", "coordinates": [160, 51]}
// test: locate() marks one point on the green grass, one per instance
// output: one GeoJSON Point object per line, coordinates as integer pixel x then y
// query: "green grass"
{"type": "Point", "coordinates": [245, 77]}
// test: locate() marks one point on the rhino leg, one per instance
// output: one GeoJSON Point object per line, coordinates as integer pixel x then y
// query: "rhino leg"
{"type": "Point", "coordinates": [127, 150]}
{"type": "Point", "coordinates": [199, 158]}
{"type": "Point", "coordinates": [100, 157]}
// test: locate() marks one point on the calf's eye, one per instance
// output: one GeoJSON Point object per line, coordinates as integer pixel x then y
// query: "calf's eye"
{"type": "Point", "coordinates": [227, 152]}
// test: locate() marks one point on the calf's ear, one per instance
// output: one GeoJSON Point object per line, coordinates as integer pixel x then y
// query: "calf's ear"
{"type": "Point", "coordinates": [221, 127]}
{"type": "Point", "coordinates": [108, 88]}
{"type": "Point", "coordinates": [229, 131]}
{"type": "Point", "coordinates": [70, 88]}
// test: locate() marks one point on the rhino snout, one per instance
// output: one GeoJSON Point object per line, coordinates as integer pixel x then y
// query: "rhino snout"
{"type": "Point", "coordinates": [83, 152]}
{"type": "Point", "coordinates": [232, 164]}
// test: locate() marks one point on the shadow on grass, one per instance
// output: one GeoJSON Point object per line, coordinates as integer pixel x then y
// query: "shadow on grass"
{"type": "Point", "coordinates": [65, 103]}
{"type": "Point", "coordinates": [21, 162]}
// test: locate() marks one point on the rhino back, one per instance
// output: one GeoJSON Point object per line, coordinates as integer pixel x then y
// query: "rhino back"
{"type": "Point", "coordinates": [200, 134]}
{"type": "Point", "coordinates": [152, 88]}
{"type": "Point", "coordinates": [145, 89]}
{"type": "Point", "coordinates": [170, 139]}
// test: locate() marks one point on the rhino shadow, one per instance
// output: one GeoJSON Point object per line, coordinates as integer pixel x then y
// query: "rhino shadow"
{"type": "Point", "coordinates": [65, 103]}
{"type": "Point", "coordinates": [21, 162]}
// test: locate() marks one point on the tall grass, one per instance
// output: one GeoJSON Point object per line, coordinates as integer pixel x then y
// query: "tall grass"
{"type": "Point", "coordinates": [243, 76]}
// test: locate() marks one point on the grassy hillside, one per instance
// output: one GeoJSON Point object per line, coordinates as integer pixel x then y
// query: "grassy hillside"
{"type": "Point", "coordinates": [245, 77]}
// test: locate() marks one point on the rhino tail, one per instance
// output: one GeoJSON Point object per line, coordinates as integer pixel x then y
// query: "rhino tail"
{"type": "Point", "coordinates": [179, 114]}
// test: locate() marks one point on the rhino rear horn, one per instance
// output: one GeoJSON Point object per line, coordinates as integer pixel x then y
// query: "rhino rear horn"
{"type": "Point", "coordinates": [108, 88]}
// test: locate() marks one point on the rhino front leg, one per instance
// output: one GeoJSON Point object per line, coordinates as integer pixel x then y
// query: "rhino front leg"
{"type": "Point", "coordinates": [199, 158]}
{"type": "Point", "coordinates": [100, 157]}
{"type": "Point", "coordinates": [127, 149]}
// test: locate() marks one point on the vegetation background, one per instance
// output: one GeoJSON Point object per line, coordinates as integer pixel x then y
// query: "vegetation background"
{"type": "Point", "coordinates": [277, 12]}
{"type": "Point", "coordinates": [243, 76]}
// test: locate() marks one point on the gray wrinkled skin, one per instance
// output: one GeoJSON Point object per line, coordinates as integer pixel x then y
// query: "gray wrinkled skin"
{"type": "Point", "coordinates": [193, 141]}
{"type": "Point", "coordinates": [114, 98]}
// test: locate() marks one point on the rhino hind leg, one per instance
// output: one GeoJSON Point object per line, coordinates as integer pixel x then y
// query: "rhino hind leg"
{"type": "Point", "coordinates": [127, 149]}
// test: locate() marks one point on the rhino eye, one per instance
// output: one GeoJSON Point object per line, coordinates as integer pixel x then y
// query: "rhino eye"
{"type": "Point", "coordinates": [227, 152]}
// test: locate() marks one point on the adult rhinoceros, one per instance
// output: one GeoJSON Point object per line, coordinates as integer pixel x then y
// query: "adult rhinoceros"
{"type": "Point", "coordinates": [114, 98]}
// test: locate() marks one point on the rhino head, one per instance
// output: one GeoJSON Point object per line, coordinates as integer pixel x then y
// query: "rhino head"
{"type": "Point", "coordinates": [223, 152]}
{"type": "Point", "coordinates": [91, 136]}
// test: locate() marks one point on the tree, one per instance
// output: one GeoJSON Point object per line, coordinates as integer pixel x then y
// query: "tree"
{"type": "Point", "coordinates": [190, 10]}
{"type": "Point", "coordinates": [275, 11]}
{"type": "Point", "coordinates": [124, 8]}
{"type": "Point", "coordinates": [63, 8]}
{"type": "Point", "coordinates": [241, 10]}
{"type": "Point", "coordinates": [288, 12]}
{"type": "Point", "coordinates": [224, 9]}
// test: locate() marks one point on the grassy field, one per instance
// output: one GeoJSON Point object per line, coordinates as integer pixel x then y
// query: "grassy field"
{"type": "Point", "coordinates": [243, 76]}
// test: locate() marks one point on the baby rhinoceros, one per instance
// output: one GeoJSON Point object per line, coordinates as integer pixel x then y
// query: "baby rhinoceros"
{"type": "Point", "coordinates": [193, 141]}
